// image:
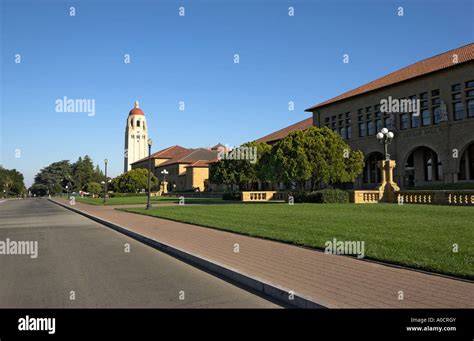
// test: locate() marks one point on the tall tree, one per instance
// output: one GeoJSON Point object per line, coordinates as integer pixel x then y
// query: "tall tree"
{"type": "Point", "coordinates": [12, 182]}
{"type": "Point", "coordinates": [134, 181]}
{"type": "Point", "coordinates": [53, 178]}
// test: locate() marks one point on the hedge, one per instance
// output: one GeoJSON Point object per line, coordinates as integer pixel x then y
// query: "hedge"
{"type": "Point", "coordinates": [325, 196]}
{"type": "Point", "coordinates": [231, 196]}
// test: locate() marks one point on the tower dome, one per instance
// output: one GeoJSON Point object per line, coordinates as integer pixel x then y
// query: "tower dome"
{"type": "Point", "coordinates": [136, 110]}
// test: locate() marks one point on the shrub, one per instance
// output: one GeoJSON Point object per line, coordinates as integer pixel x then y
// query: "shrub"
{"type": "Point", "coordinates": [124, 195]}
{"type": "Point", "coordinates": [324, 196]}
{"type": "Point", "coordinates": [231, 196]}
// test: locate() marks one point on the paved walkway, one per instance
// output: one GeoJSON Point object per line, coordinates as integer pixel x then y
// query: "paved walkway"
{"type": "Point", "coordinates": [329, 280]}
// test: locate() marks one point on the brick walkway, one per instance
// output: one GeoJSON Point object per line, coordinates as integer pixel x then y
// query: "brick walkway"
{"type": "Point", "coordinates": [329, 280]}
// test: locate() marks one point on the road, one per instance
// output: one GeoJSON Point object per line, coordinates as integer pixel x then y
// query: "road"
{"type": "Point", "coordinates": [82, 264]}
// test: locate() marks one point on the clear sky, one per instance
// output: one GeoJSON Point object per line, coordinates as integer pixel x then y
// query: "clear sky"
{"type": "Point", "coordinates": [191, 59]}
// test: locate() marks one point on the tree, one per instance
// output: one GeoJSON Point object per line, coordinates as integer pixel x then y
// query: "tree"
{"type": "Point", "coordinates": [94, 188]}
{"type": "Point", "coordinates": [242, 171]}
{"type": "Point", "coordinates": [331, 158]}
{"type": "Point", "coordinates": [134, 181]}
{"type": "Point", "coordinates": [289, 159]}
{"type": "Point", "coordinates": [82, 173]}
{"type": "Point", "coordinates": [318, 155]}
{"type": "Point", "coordinates": [12, 182]}
{"type": "Point", "coordinates": [53, 178]}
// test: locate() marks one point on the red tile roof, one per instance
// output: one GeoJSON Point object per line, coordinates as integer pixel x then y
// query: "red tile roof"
{"type": "Point", "coordinates": [172, 152]}
{"type": "Point", "coordinates": [278, 135]}
{"type": "Point", "coordinates": [202, 163]}
{"type": "Point", "coordinates": [194, 155]}
{"type": "Point", "coordinates": [432, 64]}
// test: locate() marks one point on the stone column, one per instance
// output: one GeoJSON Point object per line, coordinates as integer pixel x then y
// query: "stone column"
{"type": "Point", "coordinates": [164, 187]}
{"type": "Point", "coordinates": [388, 188]}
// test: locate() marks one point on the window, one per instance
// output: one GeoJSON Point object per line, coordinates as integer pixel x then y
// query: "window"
{"type": "Point", "coordinates": [377, 107]}
{"type": "Point", "coordinates": [348, 121]}
{"type": "Point", "coordinates": [360, 111]}
{"type": "Point", "coordinates": [412, 97]}
{"type": "Point", "coordinates": [470, 108]}
{"type": "Point", "coordinates": [370, 128]}
{"type": "Point", "coordinates": [348, 114]}
{"type": "Point", "coordinates": [388, 122]}
{"type": "Point", "coordinates": [333, 118]}
{"type": "Point", "coordinates": [340, 116]}
{"type": "Point", "coordinates": [434, 93]}
{"type": "Point", "coordinates": [403, 121]}
{"type": "Point", "coordinates": [425, 118]}
{"type": "Point", "coordinates": [423, 104]}
{"type": "Point", "coordinates": [456, 87]}
{"type": "Point", "coordinates": [424, 95]}
{"type": "Point", "coordinates": [378, 114]}
{"type": "Point", "coordinates": [349, 132]}
{"type": "Point", "coordinates": [457, 96]}
{"type": "Point", "coordinates": [369, 116]}
{"type": "Point", "coordinates": [458, 109]}
{"type": "Point", "coordinates": [415, 120]}
{"type": "Point", "coordinates": [361, 129]}
{"type": "Point", "coordinates": [138, 123]}
{"type": "Point", "coordinates": [469, 84]}
{"type": "Point", "coordinates": [378, 124]}
{"type": "Point", "coordinates": [343, 133]}
{"type": "Point", "coordinates": [436, 101]}
{"type": "Point", "coordinates": [361, 118]}
{"type": "Point", "coordinates": [368, 109]}
{"type": "Point", "coordinates": [470, 93]}
{"type": "Point", "coordinates": [436, 115]}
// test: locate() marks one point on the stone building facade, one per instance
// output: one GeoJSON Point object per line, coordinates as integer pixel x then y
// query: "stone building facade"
{"type": "Point", "coordinates": [434, 146]}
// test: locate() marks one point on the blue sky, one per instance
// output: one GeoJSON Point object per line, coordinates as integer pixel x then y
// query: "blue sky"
{"type": "Point", "coordinates": [191, 59]}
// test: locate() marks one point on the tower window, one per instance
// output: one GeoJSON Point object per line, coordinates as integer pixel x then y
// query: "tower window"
{"type": "Point", "coordinates": [138, 123]}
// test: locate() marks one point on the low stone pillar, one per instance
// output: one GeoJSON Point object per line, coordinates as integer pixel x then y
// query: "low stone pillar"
{"type": "Point", "coordinates": [164, 187]}
{"type": "Point", "coordinates": [388, 188]}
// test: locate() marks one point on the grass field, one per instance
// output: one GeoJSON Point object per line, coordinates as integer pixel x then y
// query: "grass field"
{"type": "Point", "coordinates": [140, 200]}
{"type": "Point", "coordinates": [418, 236]}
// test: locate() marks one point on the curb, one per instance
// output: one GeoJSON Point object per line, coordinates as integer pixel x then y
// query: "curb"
{"type": "Point", "coordinates": [250, 282]}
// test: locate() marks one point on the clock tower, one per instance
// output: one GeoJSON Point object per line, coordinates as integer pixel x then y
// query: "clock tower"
{"type": "Point", "coordinates": [136, 137]}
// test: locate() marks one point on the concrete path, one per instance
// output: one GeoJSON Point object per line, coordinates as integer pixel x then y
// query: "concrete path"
{"type": "Point", "coordinates": [328, 280]}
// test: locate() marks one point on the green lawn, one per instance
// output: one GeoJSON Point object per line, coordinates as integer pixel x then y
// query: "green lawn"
{"type": "Point", "coordinates": [139, 200]}
{"type": "Point", "coordinates": [418, 236]}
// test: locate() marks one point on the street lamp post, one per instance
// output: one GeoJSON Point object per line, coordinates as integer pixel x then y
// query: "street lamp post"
{"type": "Point", "coordinates": [385, 137]}
{"type": "Point", "coordinates": [105, 182]}
{"type": "Point", "coordinates": [164, 172]}
{"type": "Point", "coordinates": [148, 204]}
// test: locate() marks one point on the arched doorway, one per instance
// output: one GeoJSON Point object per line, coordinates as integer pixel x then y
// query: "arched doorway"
{"type": "Point", "coordinates": [372, 174]}
{"type": "Point", "coordinates": [422, 166]}
{"type": "Point", "coordinates": [466, 163]}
